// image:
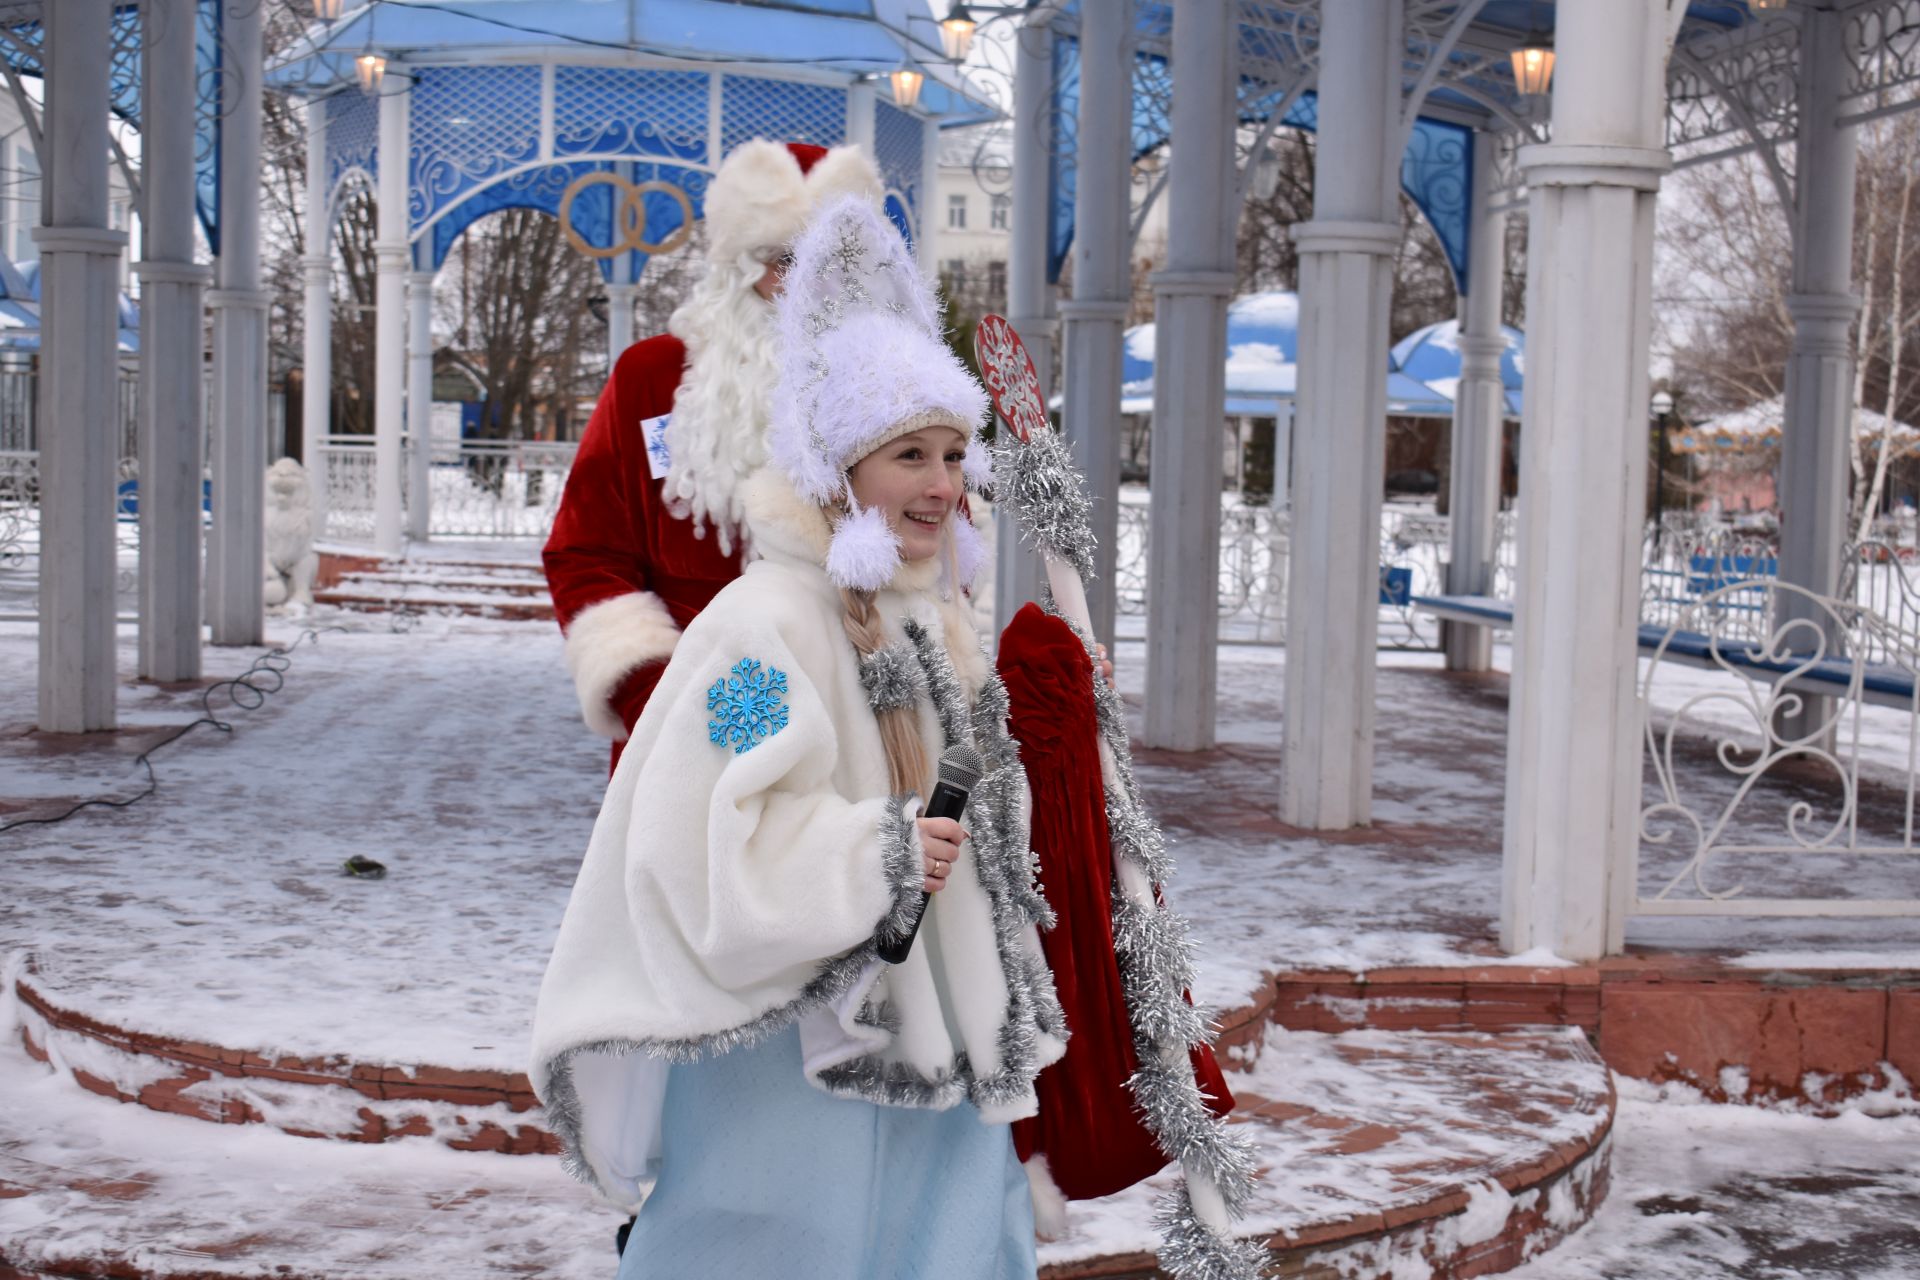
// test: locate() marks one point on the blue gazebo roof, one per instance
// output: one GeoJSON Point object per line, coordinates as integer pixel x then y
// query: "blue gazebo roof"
{"type": "Point", "coordinates": [849, 37]}
{"type": "Point", "coordinates": [1263, 343]}
{"type": "Point", "coordinates": [1432, 355]}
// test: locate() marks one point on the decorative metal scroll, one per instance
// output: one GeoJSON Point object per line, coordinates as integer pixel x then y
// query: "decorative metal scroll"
{"type": "Point", "coordinates": [1763, 794]}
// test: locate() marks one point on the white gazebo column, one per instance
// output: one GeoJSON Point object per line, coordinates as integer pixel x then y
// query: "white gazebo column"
{"type": "Point", "coordinates": [1814, 468]}
{"type": "Point", "coordinates": [1340, 424]}
{"type": "Point", "coordinates": [1094, 317]}
{"type": "Point", "coordinates": [1016, 568]}
{"type": "Point", "coordinates": [1573, 735]}
{"type": "Point", "coordinates": [1479, 407]}
{"type": "Point", "coordinates": [860, 120]}
{"type": "Point", "coordinates": [316, 384]}
{"type": "Point", "coordinates": [171, 283]}
{"type": "Point", "coordinates": [928, 197]}
{"type": "Point", "coordinates": [1189, 388]}
{"type": "Point", "coordinates": [420, 404]}
{"type": "Point", "coordinates": [390, 321]}
{"type": "Point", "coordinates": [620, 294]}
{"type": "Point", "coordinates": [79, 433]}
{"type": "Point", "coordinates": [236, 549]}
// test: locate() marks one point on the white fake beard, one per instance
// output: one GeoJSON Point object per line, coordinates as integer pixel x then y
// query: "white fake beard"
{"type": "Point", "coordinates": [716, 436]}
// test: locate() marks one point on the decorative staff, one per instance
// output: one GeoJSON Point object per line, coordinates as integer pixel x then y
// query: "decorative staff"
{"type": "Point", "coordinates": [1035, 477]}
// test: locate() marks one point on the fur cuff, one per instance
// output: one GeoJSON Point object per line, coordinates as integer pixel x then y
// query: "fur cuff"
{"type": "Point", "coordinates": [1049, 1201]}
{"type": "Point", "coordinates": [608, 640]}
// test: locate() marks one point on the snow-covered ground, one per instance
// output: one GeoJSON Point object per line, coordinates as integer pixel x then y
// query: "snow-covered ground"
{"type": "Point", "coordinates": [216, 910]}
{"type": "Point", "coordinates": [1706, 1192]}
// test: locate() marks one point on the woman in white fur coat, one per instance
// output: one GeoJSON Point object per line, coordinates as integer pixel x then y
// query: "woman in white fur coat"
{"type": "Point", "coordinates": [717, 1043]}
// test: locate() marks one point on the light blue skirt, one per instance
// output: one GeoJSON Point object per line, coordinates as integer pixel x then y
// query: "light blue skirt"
{"type": "Point", "coordinates": [765, 1175]}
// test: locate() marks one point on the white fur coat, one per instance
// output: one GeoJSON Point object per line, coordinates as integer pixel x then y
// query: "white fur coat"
{"type": "Point", "coordinates": [743, 862]}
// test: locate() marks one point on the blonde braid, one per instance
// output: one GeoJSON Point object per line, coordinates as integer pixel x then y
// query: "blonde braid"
{"type": "Point", "coordinates": [899, 726]}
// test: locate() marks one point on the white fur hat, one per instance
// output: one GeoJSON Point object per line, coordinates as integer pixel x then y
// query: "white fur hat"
{"type": "Point", "coordinates": [862, 362]}
{"type": "Point", "coordinates": [764, 193]}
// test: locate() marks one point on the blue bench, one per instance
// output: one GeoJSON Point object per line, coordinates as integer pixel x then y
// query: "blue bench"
{"type": "Point", "coordinates": [1886, 686]}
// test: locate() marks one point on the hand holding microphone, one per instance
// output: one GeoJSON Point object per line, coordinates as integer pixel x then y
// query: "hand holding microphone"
{"type": "Point", "coordinates": [940, 841]}
{"type": "Point", "coordinates": [940, 835]}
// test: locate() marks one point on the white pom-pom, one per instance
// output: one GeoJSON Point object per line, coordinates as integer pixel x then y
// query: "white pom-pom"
{"type": "Point", "coordinates": [969, 550]}
{"type": "Point", "coordinates": [865, 552]}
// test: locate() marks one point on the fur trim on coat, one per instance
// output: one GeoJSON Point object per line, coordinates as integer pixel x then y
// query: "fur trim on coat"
{"type": "Point", "coordinates": [609, 640]}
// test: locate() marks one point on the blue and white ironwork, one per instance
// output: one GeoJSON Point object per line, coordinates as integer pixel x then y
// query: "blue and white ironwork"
{"type": "Point", "coordinates": [1711, 836]}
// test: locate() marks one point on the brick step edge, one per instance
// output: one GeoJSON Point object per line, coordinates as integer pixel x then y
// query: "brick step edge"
{"type": "Point", "coordinates": [332, 1098]}
{"type": "Point", "coordinates": [1815, 1040]}
{"type": "Point", "coordinates": [508, 607]}
{"type": "Point", "coordinates": [1440, 1239]}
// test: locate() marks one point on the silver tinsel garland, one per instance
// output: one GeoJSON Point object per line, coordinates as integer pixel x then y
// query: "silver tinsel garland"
{"type": "Point", "coordinates": [891, 677]}
{"type": "Point", "coordinates": [1004, 861]}
{"type": "Point", "coordinates": [1192, 1252]}
{"type": "Point", "coordinates": [1156, 969]}
{"type": "Point", "coordinates": [1036, 478]}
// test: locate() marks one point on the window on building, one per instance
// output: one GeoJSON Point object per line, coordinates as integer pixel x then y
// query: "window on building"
{"type": "Point", "coordinates": [955, 270]}
{"type": "Point", "coordinates": [956, 213]}
{"type": "Point", "coordinates": [997, 281]}
{"type": "Point", "coordinates": [1002, 209]}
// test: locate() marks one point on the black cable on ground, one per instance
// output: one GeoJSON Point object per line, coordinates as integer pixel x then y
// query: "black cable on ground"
{"type": "Point", "coordinates": [247, 691]}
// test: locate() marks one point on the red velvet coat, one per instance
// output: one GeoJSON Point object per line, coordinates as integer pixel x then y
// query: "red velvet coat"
{"type": "Point", "coordinates": [626, 575]}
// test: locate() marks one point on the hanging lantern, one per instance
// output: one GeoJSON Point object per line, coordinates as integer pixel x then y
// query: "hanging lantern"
{"type": "Point", "coordinates": [1533, 63]}
{"type": "Point", "coordinates": [327, 10]}
{"type": "Point", "coordinates": [956, 33]}
{"type": "Point", "coordinates": [906, 86]}
{"type": "Point", "coordinates": [372, 67]}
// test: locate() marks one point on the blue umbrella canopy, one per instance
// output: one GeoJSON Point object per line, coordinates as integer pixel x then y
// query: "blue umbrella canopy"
{"type": "Point", "coordinates": [1432, 356]}
{"type": "Point", "coordinates": [1263, 343]}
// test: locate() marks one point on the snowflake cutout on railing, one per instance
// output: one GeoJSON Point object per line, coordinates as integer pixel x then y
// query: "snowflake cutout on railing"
{"type": "Point", "coordinates": [749, 706]}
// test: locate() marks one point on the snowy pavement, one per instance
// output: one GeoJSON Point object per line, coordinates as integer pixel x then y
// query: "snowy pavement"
{"type": "Point", "coordinates": [453, 753]}
{"type": "Point", "coordinates": [1707, 1192]}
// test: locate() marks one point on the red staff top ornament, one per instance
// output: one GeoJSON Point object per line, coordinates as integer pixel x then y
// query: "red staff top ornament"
{"type": "Point", "coordinates": [1011, 380]}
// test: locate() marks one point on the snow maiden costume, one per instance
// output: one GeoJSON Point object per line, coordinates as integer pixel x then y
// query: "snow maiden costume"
{"type": "Point", "coordinates": [716, 1042]}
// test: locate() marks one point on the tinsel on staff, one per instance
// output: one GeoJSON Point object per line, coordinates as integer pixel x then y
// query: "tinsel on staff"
{"type": "Point", "coordinates": [1036, 480]}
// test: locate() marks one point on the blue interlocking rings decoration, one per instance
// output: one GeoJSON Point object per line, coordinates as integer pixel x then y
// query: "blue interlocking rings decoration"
{"type": "Point", "coordinates": [629, 221]}
{"type": "Point", "coordinates": [748, 705]}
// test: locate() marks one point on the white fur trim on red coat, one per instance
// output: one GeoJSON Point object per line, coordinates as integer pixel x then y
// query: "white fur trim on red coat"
{"type": "Point", "coordinates": [1049, 1202]}
{"type": "Point", "coordinates": [608, 640]}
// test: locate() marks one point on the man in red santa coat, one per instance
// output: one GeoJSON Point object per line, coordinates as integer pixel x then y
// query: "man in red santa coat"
{"type": "Point", "coordinates": [648, 529]}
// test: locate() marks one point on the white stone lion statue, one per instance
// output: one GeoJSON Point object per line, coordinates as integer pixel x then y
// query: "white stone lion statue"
{"type": "Point", "coordinates": [291, 562]}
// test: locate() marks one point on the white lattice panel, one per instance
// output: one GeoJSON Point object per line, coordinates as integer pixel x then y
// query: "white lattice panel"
{"type": "Point", "coordinates": [783, 110]}
{"type": "Point", "coordinates": [470, 124]}
{"type": "Point", "coordinates": [897, 144]}
{"type": "Point", "coordinates": [622, 111]}
{"type": "Point", "coordinates": [353, 134]}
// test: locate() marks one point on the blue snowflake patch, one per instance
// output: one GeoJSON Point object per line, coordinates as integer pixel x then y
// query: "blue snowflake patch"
{"type": "Point", "coordinates": [748, 706]}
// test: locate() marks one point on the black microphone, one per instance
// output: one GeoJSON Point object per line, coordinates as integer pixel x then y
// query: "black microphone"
{"type": "Point", "coordinates": [960, 771]}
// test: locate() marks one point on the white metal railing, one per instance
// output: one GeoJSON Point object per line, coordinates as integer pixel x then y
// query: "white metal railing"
{"type": "Point", "coordinates": [1796, 705]}
{"type": "Point", "coordinates": [476, 488]}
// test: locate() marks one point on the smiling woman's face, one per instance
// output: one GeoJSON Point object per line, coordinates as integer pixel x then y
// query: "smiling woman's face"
{"type": "Point", "coordinates": [916, 481]}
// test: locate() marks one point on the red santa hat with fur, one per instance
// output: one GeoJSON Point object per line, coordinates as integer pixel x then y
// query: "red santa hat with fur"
{"type": "Point", "coordinates": [764, 194]}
